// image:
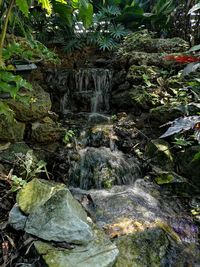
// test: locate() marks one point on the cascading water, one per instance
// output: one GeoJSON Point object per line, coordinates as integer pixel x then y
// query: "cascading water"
{"type": "Point", "coordinates": [90, 86]}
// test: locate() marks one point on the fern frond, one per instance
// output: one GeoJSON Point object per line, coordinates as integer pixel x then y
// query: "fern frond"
{"type": "Point", "coordinates": [107, 43]}
{"type": "Point", "coordinates": [118, 31]}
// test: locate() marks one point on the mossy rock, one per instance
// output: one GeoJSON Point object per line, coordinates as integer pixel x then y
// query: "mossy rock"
{"type": "Point", "coordinates": [145, 42]}
{"type": "Point", "coordinates": [143, 74]}
{"type": "Point", "coordinates": [146, 248]}
{"type": "Point", "coordinates": [163, 114]}
{"type": "Point", "coordinates": [148, 59]}
{"type": "Point", "coordinates": [14, 150]}
{"type": "Point", "coordinates": [142, 98]}
{"type": "Point", "coordinates": [47, 131]}
{"type": "Point", "coordinates": [158, 151]}
{"type": "Point", "coordinates": [11, 130]}
{"type": "Point", "coordinates": [31, 105]}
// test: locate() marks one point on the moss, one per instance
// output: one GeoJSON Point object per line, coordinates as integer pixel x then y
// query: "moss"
{"type": "Point", "coordinates": [146, 248]}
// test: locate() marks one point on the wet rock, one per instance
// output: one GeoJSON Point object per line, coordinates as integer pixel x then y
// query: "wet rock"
{"type": "Point", "coordinates": [11, 130]}
{"type": "Point", "coordinates": [101, 135]}
{"type": "Point", "coordinates": [98, 253]}
{"type": "Point", "coordinates": [102, 168]}
{"type": "Point", "coordinates": [32, 106]}
{"type": "Point", "coordinates": [158, 152]}
{"type": "Point", "coordinates": [47, 131]}
{"type": "Point", "coordinates": [54, 215]}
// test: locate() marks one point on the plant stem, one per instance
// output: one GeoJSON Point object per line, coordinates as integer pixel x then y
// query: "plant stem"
{"type": "Point", "coordinates": [4, 30]}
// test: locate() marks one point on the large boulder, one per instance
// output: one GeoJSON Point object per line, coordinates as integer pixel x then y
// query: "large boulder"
{"type": "Point", "coordinates": [31, 105]}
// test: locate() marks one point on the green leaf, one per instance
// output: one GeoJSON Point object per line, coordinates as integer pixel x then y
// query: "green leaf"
{"type": "Point", "coordinates": [86, 15]}
{"type": "Point", "coordinates": [23, 6]}
{"type": "Point", "coordinates": [64, 11]}
{"type": "Point", "coordinates": [194, 48]}
{"type": "Point", "coordinates": [46, 4]}
{"type": "Point", "coordinates": [5, 110]}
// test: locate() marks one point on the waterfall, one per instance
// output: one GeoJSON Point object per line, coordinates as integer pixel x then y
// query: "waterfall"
{"type": "Point", "coordinates": [88, 86]}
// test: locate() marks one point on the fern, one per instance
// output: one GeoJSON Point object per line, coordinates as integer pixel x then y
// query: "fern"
{"type": "Point", "coordinates": [107, 43]}
{"type": "Point", "coordinates": [74, 44]}
{"type": "Point", "coordinates": [118, 31]}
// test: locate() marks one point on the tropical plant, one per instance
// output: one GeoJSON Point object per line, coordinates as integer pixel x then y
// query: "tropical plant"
{"type": "Point", "coordinates": [64, 8]}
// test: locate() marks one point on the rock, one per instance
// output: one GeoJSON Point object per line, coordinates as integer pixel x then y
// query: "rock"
{"type": "Point", "coordinates": [54, 215]}
{"type": "Point", "coordinates": [60, 219]}
{"type": "Point", "coordinates": [142, 74]}
{"type": "Point", "coordinates": [98, 253]}
{"type": "Point", "coordinates": [163, 114]}
{"type": "Point", "coordinates": [101, 135]}
{"type": "Point", "coordinates": [143, 41]}
{"type": "Point", "coordinates": [121, 101]}
{"type": "Point", "coordinates": [102, 168]}
{"type": "Point", "coordinates": [145, 248]}
{"type": "Point", "coordinates": [36, 193]}
{"type": "Point", "coordinates": [33, 105]}
{"type": "Point", "coordinates": [11, 130]}
{"type": "Point", "coordinates": [158, 151]}
{"type": "Point", "coordinates": [47, 131]}
{"type": "Point", "coordinates": [16, 218]}
{"type": "Point", "coordinates": [148, 227]}
{"type": "Point", "coordinates": [14, 150]}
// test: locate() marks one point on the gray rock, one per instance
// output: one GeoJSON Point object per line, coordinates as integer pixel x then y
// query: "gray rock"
{"type": "Point", "coordinates": [61, 219]}
{"type": "Point", "coordinates": [16, 218]}
{"type": "Point", "coordinates": [98, 253]}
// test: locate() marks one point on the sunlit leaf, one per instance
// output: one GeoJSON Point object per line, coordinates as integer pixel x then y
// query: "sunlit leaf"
{"type": "Point", "coordinates": [194, 8]}
{"type": "Point", "coordinates": [46, 4]}
{"type": "Point", "coordinates": [181, 124]}
{"type": "Point", "coordinates": [23, 6]}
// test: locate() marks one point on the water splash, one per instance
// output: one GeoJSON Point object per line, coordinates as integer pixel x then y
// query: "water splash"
{"type": "Point", "coordinates": [101, 167]}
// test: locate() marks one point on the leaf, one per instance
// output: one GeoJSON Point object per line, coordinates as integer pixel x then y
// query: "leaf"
{"type": "Point", "coordinates": [46, 4]}
{"type": "Point", "coordinates": [192, 67]}
{"type": "Point", "coordinates": [194, 8]}
{"type": "Point", "coordinates": [181, 124]}
{"type": "Point", "coordinates": [86, 15]}
{"type": "Point", "coordinates": [23, 6]}
{"type": "Point", "coordinates": [194, 48]}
